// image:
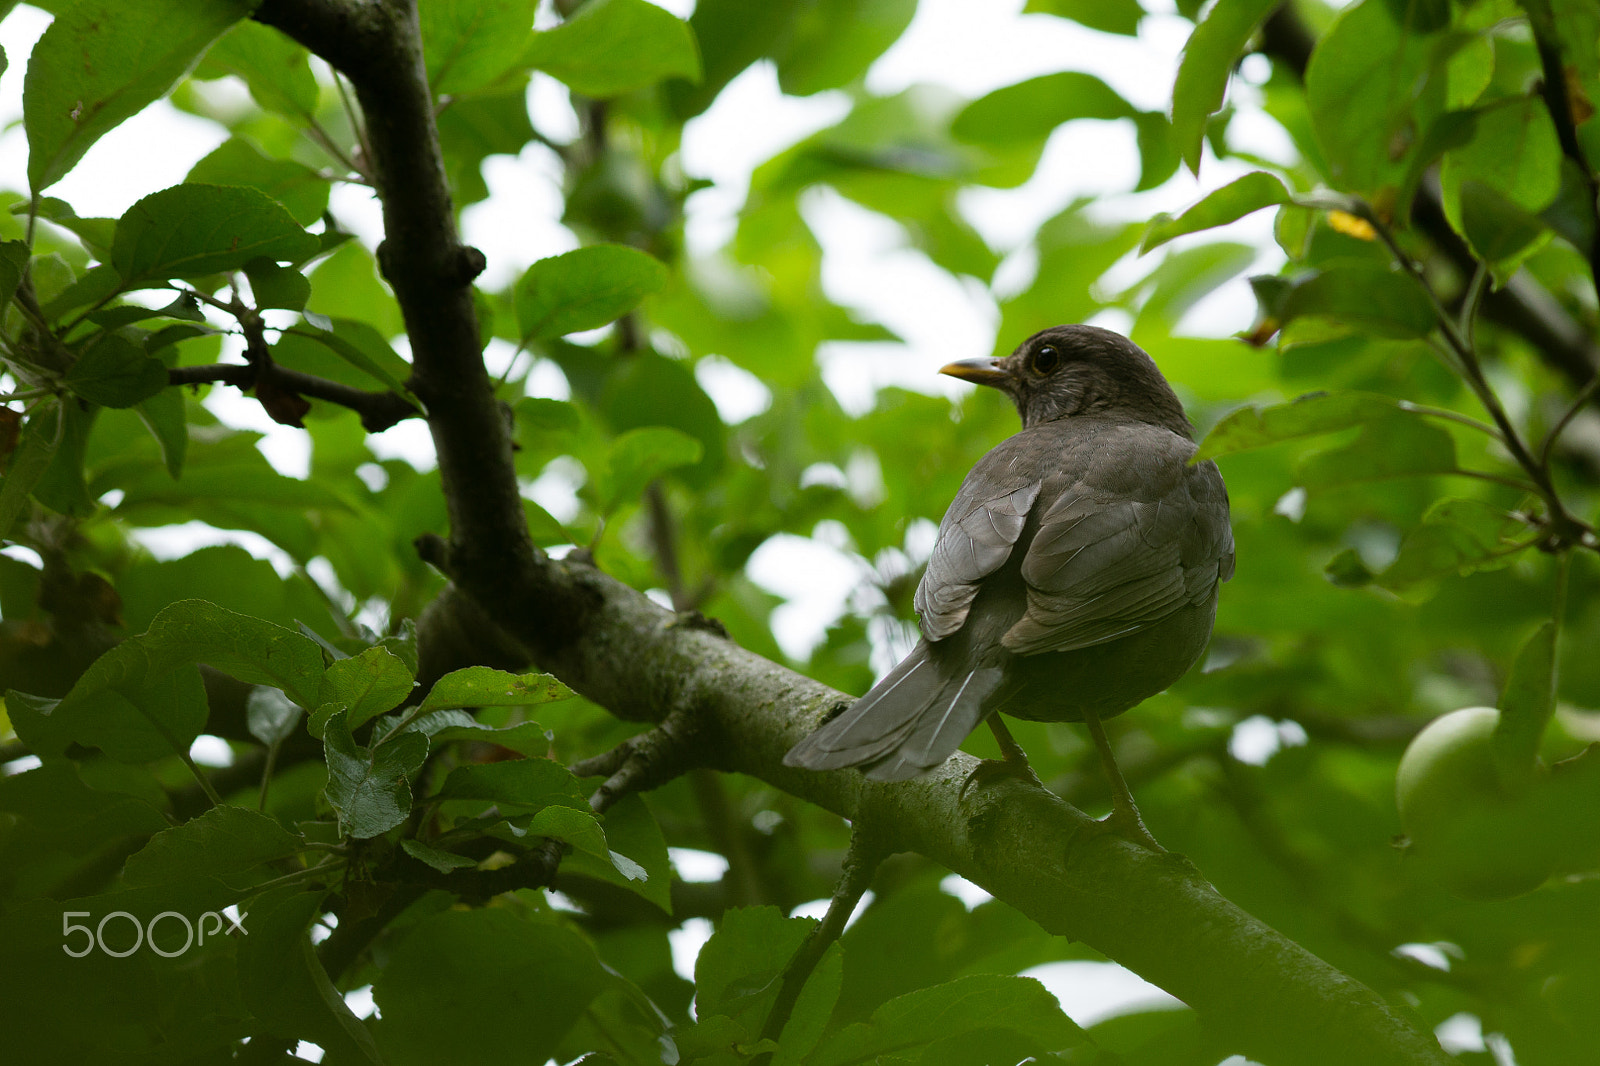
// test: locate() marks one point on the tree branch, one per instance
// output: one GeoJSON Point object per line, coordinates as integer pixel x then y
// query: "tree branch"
{"type": "Point", "coordinates": [378, 410]}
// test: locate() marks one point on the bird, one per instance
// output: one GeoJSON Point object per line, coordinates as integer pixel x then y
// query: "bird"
{"type": "Point", "coordinates": [1075, 574]}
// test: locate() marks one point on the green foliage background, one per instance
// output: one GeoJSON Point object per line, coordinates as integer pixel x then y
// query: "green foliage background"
{"type": "Point", "coordinates": [1388, 535]}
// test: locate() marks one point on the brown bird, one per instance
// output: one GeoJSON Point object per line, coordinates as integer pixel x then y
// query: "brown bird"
{"type": "Point", "coordinates": [1075, 573]}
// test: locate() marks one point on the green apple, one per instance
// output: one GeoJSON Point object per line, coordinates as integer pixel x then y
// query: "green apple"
{"type": "Point", "coordinates": [1467, 831]}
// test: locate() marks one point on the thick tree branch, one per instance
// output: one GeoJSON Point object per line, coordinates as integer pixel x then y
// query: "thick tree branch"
{"type": "Point", "coordinates": [1264, 994]}
{"type": "Point", "coordinates": [1154, 913]}
{"type": "Point", "coordinates": [378, 47]}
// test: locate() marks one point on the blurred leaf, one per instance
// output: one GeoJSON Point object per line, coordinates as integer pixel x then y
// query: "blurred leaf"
{"type": "Point", "coordinates": [1368, 95]}
{"type": "Point", "coordinates": [470, 43]}
{"type": "Point", "coordinates": [96, 233]}
{"type": "Point", "coordinates": [1208, 59]}
{"type": "Point", "coordinates": [738, 971]}
{"type": "Point", "coordinates": [1526, 705]}
{"type": "Point", "coordinates": [370, 788]}
{"type": "Point", "coordinates": [1310, 415]}
{"type": "Point", "coordinates": [526, 784]}
{"type": "Point", "coordinates": [985, 1004]}
{"type": "Point", "coordinates": [276, 68]}
{"type": "Point", "coordinates": [35, 449]}
{"type": "Point", "coordinates": [1513, 151]}
{"type": "Point", "coordinates": [483, 986]}
{"type": "Point", "coordinates": [270, 715]}
{"type": "Point", "coordinates": [113, 372]}
{"type": "Point", "coordinates": [1227, 204]}
{"type": "Point", "coordinates": [1376, 299]}
{"type": "Point", "coordinates": [284, 984]}
{"type": "Point", "coordinates": [640, 456]}
{"type": "Point", "coordinates": [232, 844]}
{"type": "Point", "coordinates": [731, 34]}
{"type": "Point", "coordinates": [584, 289]}
{"type": "Point", "coordinates": [1109, 16]}
{"type": "Point", "coordinates": [1397, 446]}
{"type": "Point", "coordinates": [1032, 109]}
{"type": "Point", "coordinates": [192, 230]}
{"type": "Point", "coordinates": [101, 62]}
{"type": "Point", "coordinates": [611, 47]}
{"type": "Point", "coordinates": [817, 56]}
{"type": "Point", "coordinates": [13, 260]}
{"type": "Point", "coordinates": [1457, 536]}
{"type": "Point", "coordinates": [439, 859]}
{"type": "Point", "coordinates": [356, 344]}
{"type": "Point", "coordinates": [277, 286]}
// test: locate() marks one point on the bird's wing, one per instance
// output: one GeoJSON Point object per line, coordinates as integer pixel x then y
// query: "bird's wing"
{"type": "Point", "coordinates": [1129, 533]}
{"type": "Point", "coordinates": [977, 535]}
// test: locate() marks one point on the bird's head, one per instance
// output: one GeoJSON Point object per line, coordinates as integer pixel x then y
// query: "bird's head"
{"type": "Point", "coordinates": [1079, 370]}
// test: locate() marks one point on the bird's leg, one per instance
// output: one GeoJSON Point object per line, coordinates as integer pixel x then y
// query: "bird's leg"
{"type": "Point", "coordinates": [1124, 816]}
{"type": "Point", "coordinates": [1012, 762]}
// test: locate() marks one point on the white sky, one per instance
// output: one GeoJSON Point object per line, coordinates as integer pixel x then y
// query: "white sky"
{"type": "Point", "coordinates": [970, 46]}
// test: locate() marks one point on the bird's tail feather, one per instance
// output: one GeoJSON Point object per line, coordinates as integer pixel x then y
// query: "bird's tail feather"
{"type": "Point", "coordinates": [909, 723]}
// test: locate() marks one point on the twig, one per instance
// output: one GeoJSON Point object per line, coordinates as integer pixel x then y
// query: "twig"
{"type": "Point", "coordinates": [1584, 395]}
{"type": "Point", "coordinates": [860, 863]}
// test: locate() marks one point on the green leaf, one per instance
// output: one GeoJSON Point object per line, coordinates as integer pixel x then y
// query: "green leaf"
{"type": "Point", "coordinates": [817, 56]}
{"type": "Point", "coordinates": [134, 707]}
{"type": "Point", "coordinates": [1032, 109]}
{"type": "Point", "coordinates": [525, 738]}
{"type": "Point", "coordinates": [1369, 95]}
{"type": "Point", "coordinates": [481, 686]}
{"type": "Point", "coordinates": [35, 450]}
{"type": "Point", "coordinates": [1400, 445]}
{"type": "Point", "coordinates": [739, 969]}
{"type": "Point", "coordinates": [527, 784]}
{"type": "Point", "coordinates": [367, 685]}
{"type": "Point", "coordinates": [255, 651]}
{"type": "Point", "coordinates": [1514, 151]}
{"type": "Point", "coordinates": [1526, 705]}
{"type": "Point", "coordinates": [470, 43]}
{"type": "Point", "coordinates": [1208, 59]}
{"type": "Point", "coordinates": [95, 233]}
{"type": "Point", "coordinates": [438, 858]}
{"type": "Point", "coordinates": [584, 289]}
{"type": "Point", "coordinates": [114, 372]}
{"type": "Point", "coordinates": [231, 844]}
{"type": "Point", "coordinates": [637, 859]}
{"type": "Point", "coordinates": [100, 62]}
{"type": "Point", "coordinates": [192, 230]}
{"type": "Point", "coordinates": [283, 983]}
{"type": "Point", "coordinates": [302, 191]}
{"type": "Point", "coordinates": [270, 715]}
{"type": "Point", "coordinates": [1370, 297]}
{"type": "Point", "coordinates": [611, 47]}
{"type": "Point", "coordinates": [976, 1004]}
{"type": "Point", "coordinates": [356, 344]}
{"type": "Point", "coordinates": [1227, 204]}
{"type": "Point", "coordinates": [483, 986]}
{"type": "Point", "coordinates": [1108, 16]}
{"type": "Point", "coordinates": [275, 67]}
{"type": "Point", "coordinates": [640, 456]}
{"type": "Point", "coordinates": [1457, 536]}
{"type": "Point", "coordinates": [13, 261]}
{"type": "Point", "coordinates": [277, 286]}
{"type": "Point", "coordinates": [1308, 416]}
{"type": "Point", "coordinates": [370, 788]}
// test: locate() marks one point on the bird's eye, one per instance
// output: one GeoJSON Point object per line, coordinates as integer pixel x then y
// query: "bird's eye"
{"type": "Point", "coordinates": [1046, 359]}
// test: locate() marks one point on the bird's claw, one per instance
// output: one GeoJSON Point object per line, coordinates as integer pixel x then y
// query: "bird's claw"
{"type": "Point", "coordinates": [988, 771]}
{"type": "Point", "coordinates": [1126, 823]}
